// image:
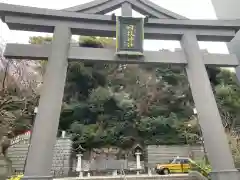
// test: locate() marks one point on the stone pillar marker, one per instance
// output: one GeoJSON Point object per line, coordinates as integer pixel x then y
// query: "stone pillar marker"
{"type": "Point", "coordinates": [79, 165]}
{"type": "Point", "coordinates": [210, 121]}
{"type": "Point", "coordinates": [138, 161]}
{"type": "Point", "coordinates": [149, 171]}
{"type": "Point", "coordinates": [40, 155]}
{"type": "Point", "coordinates": [115, 173]}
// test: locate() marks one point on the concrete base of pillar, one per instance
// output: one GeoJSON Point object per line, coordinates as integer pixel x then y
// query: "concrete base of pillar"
{"type": "Point", "coordinates": [149, 172]}
{"type": "Point", "coordinates": [226, 175]}
{"type": "Point", "coordinates": [80, 174]}
{"type": "Point", "coordinates": [115, 173]}
{"type": "Point", "coordinates": [37, 178]}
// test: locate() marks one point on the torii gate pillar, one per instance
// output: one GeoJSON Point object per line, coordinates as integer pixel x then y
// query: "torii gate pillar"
{"type": "Point", "coordinates": [229, 9]}
{"type": "Point", "coordinates": [47, 119]}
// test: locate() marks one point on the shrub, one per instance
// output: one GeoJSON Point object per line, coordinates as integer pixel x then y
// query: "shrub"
{"type": "Point", "coordinates": [16, 177]}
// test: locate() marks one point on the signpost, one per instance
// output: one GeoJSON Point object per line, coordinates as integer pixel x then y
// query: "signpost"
{"type": "Point", "coordinates": [129, 36]}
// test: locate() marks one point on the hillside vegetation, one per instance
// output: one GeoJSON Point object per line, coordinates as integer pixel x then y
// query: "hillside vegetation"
{"type": "Point", "coordinates": [121, 105]}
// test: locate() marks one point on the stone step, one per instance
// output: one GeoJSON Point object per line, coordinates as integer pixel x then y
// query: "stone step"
{"type": "Point", "coordinates": [135, 177]}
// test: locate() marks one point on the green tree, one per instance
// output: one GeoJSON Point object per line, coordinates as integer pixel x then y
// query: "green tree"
{"type": "Point", "coordinates": [103, 103]}
{"type": "Point", "coordinates": [120, 105]}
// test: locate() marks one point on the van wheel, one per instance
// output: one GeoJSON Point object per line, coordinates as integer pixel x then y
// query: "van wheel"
{"type": "Point", "coordinates": [166, 171]}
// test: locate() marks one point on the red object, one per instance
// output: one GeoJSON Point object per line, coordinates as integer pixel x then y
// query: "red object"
{"type": "Point", "coordinates": [27, 132]}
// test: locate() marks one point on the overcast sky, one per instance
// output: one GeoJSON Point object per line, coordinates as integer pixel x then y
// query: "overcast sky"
{"type": "Point", "coordinates": [194, 9]}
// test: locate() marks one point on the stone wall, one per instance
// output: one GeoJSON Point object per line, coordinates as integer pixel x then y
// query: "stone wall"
{"type": "Point", "coordinates": [162, 154]}
{"type": "Point", "coordinates": [3, 168]}
{"type": "Point", "coordinates": [110, 165]}
{"type": "Point", "coordinates": [62, 159]}
{"type": "Point", "coordinates": [17, 153]}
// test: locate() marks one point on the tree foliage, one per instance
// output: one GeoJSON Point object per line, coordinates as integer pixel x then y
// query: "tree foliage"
{"type": "Point", "coordinates": [18, 98]}
{"type": "Point", "coordinates": [121, 105]}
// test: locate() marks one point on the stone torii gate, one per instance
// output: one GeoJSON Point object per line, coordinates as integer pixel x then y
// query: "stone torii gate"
{"type": "Point", "coordinates": [89, 19]}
